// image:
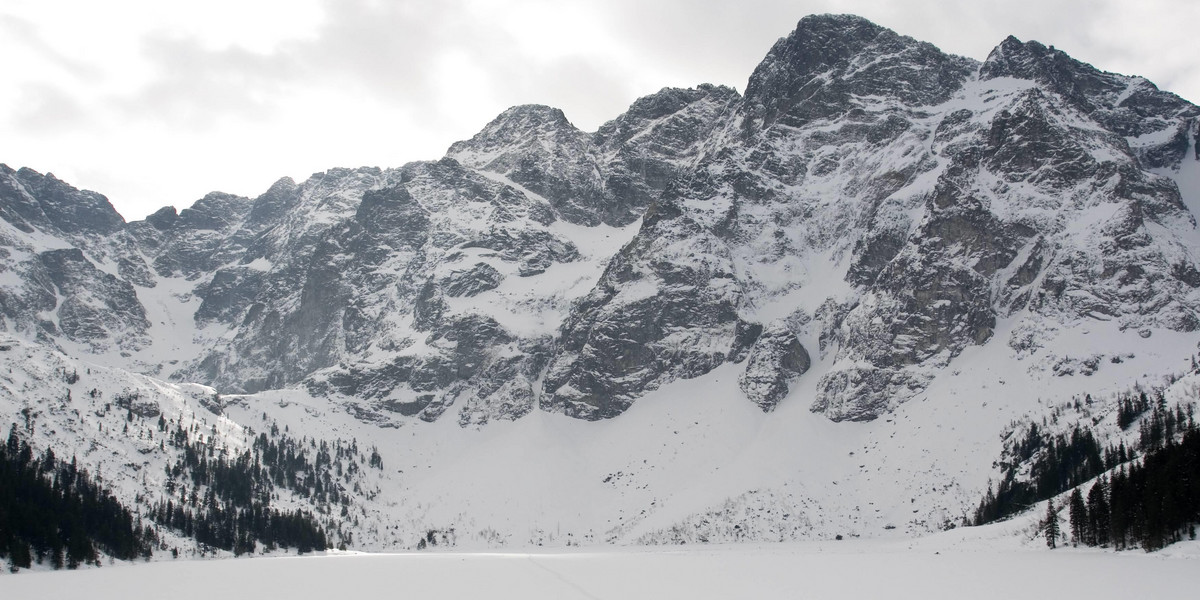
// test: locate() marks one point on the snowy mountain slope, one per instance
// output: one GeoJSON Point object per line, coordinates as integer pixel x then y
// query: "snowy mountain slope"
{"type": "Point", "coordinates": [688, 463]}
{"type": "Point", "coordinates": [717, 318]}
{"type": "Point", "coordinates": [132, 433]}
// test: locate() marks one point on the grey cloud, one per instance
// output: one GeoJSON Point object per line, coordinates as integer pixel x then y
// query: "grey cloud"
{"type": "Point", "coordinates": [390, 48]}
{"type": "Point", "coordinates": [46, 109]}
{"type": "Point", "coordinates": [390, 51]}
{"type": "Point", "coordinates": [710, 40]}
{"type": "Point", "coordinates": [27, 33]}
{"type": "Point", "coordinates": [196, 86]}
{"type": "Point", "coordinates": [973, 28]}
{"type": "Point", "coordinates": [387, 50]}
{"type": "Point", "coordinates": [393, 49]}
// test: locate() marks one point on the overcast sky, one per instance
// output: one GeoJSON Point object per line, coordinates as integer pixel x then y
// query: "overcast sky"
{"type": "Point", "coordinates": [155, 103]}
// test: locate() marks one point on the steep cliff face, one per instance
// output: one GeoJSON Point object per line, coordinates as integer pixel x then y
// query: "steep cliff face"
{"type": "Point", "coordinates": [50, 290]}
{"type": "Point", "coordinates": [887, 204]}
{"type": "Point", "coordinates": [408, 290]}
{"type": "Point", "coordinates": [870, 209]}
{"type": "Point", "coordinates": [820, 143]}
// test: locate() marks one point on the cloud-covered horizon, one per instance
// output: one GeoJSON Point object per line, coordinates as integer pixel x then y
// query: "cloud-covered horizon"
{"type": "Point", "coordinates": [155, 105]}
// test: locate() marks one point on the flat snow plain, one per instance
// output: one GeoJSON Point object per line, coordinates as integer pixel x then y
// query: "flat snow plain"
{"type": "Point", "coordinates": [956, 564]}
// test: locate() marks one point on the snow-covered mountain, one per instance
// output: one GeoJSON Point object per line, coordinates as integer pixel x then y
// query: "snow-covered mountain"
{"type": "Point", "coordinates": [718, 317]}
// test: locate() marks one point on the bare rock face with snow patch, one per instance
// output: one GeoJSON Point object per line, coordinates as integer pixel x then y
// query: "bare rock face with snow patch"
{"type": "Point", "coordinates": [665, 308]}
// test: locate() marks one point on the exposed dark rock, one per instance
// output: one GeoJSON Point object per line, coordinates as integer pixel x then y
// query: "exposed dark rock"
{"type": "Point", "coordinates": [28, 198]}
{"type": "Point", "coordinates": [744, 337]}
{"type": "Point", "coordinates": [476, 280]}
{"type": "Point", "coordinates": [813, 73]}
{"type": "Point", "coordinates": [775, 360]}
{"type": "Point", "coordinates": [94, 307]}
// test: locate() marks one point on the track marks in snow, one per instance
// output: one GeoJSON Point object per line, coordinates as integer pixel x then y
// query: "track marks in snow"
{"type": "Point", "coordinates": [560, 577]}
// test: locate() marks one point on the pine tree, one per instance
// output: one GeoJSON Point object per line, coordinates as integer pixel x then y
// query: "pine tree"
{"type": "Point", "coordinates": [1078, 516]}
{"type": "Point", "coordinates": [1051, 525]}
{"type": "Point", "coordinates": [1098, 514]}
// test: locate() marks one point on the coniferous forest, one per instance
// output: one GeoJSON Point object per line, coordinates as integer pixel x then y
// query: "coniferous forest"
{"type": "Point", "coordinates": [50, 510]}
{"type": "Point", "coordinates": [1151, 504]}
{"type": "Point", "coordinates": [1147, 496]}
{"type": "Point", "coordinates": [226, 503]}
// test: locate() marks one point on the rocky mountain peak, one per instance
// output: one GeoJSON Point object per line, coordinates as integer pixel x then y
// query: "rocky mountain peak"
{"type": "Point", "coordinates": [538, 148]}
{"type": "Point", "coordinates": [660, 105]}
{"type": "Point", "coordinates": [28, 198]}
{"type": "Point", "coordinates": [163, 218]}
{"type": "Point", "coordinates": [531, 114]}
{"type": "Point", "coordinates": [216, 211]}
{"type": "Point", "coordinates": [516, 127]}
{"type": "Point", "coordinates": [607, 177]}
{"type": "Point", "coordinates": [1032, 60]}
{"type": "Point", "coordinates": [273, 204]}
{"type": "Point", "coordinates": [1129, 106]}
{"type": "Point", "coordinates": [829, 59]}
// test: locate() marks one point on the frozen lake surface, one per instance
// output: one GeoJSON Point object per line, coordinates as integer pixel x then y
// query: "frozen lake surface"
{"type": "Point", "coordinates": [897, 570]}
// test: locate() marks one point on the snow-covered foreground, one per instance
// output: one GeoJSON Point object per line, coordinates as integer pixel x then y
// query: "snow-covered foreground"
{"type": "Point", "coordinates": [942, 566]}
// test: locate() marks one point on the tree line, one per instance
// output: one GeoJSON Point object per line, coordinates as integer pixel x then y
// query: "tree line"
{"type": "Point", "coordinates": [1151, 504]}
{"type": "Point", "coordinates": [1144, 496]}
{"type": "Point", "coordinates": [225, 502]}
{"type": "Point", "coordinates": [1057, 463]}
{"type": "Point", "coordinates": [51, 510]}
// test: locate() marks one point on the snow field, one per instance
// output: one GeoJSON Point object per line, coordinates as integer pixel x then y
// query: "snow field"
{"type": "Point", "coordinates": [943, 566]}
